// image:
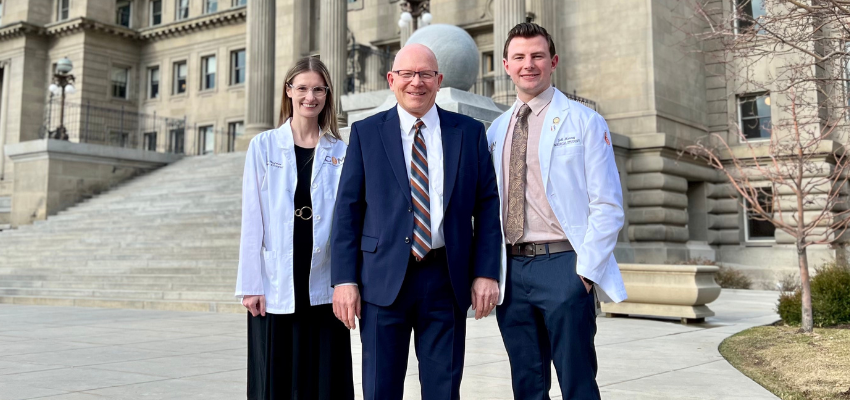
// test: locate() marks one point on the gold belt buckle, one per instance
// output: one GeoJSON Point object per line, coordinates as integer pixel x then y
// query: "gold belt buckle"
{"type": "Point", "coordinates": [299, 212]}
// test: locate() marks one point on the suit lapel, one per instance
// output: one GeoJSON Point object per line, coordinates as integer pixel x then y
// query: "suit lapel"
{"type": "Point", "coordinates": [560, 109]}
{"type": "Point", "coordinates": [452, 141]}
{"type": "Point", "coordinates": [501, 134]}
{"type": "Point", "coordinates": [391, 137]}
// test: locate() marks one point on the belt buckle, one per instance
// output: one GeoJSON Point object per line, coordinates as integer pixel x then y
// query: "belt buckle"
{"type": "Point", "coordinates": [531, 250]}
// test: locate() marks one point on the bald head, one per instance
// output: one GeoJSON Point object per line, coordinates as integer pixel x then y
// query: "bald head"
{"type": "Point", "coordinates": [415, 53]}
{"type": "Point", "coordinates": [415, 94]}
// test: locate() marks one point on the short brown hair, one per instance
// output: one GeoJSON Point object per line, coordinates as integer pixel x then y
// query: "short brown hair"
{"type": "Point", "coordinates": [327, 117]}
{"type": "Point", "coordinates": [529, 30]}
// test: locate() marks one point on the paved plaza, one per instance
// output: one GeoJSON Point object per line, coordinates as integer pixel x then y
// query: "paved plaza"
{"type": "Point", "coordinates": [75, 353]}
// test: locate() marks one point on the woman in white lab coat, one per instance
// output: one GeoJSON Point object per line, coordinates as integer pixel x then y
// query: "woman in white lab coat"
{"type": "Point", "coordinates": [297, 349]}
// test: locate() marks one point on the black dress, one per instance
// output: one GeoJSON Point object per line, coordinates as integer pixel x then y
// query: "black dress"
{"type": "Point", "coordinates": [305, 355]}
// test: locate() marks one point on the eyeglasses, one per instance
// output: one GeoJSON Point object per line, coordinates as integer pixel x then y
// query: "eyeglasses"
{"type": "Point", "coordinates": [318, 91]}
{"type": "Point", "coordinates": [424, 76]}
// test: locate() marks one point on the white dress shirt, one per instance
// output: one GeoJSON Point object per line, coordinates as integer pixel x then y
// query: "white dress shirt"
{"type": "Point", "coordinates": [434, 149]}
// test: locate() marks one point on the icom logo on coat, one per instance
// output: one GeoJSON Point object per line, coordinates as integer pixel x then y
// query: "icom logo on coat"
{"type": "Point", "coordinates": [334, 160]}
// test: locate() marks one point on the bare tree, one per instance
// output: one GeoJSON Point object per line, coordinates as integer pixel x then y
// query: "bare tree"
{"type": "Point", "coordinates": [795, 175]}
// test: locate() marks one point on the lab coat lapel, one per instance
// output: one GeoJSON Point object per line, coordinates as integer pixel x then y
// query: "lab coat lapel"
{"type": "Point", "coordinates": [556, 118]}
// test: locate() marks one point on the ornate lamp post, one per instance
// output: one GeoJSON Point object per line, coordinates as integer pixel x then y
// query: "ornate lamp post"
{"type": "Point", "coordinates": [63, 82]}
{"type": "Point", "coordinates": [412, 12]}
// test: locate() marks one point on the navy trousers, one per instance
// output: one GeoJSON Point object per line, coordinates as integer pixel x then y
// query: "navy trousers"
{"type": "Point", "coordinates": [548, 316]}
{"type": "Point", "coordinates": [425, 305]}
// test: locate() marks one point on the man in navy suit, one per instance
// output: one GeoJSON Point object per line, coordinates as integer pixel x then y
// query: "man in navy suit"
{"type": "Point", "coordinates": [403, 239]}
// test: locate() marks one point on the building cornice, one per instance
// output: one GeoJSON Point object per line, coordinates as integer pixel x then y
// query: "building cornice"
{"type": "Point", "coordinates": [19, 29]}
{"type": "Point", "coordinates": [187, 26]}
{"type": "Point", "coordinates": [81, 24]}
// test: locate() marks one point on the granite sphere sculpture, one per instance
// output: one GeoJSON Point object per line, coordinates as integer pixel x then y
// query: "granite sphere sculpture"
{"type": "Point", "coordinates": [457, 53]}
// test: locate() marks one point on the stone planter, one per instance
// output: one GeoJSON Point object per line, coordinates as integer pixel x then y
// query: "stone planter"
{"type": "Point", "coordinates": [678, 291]}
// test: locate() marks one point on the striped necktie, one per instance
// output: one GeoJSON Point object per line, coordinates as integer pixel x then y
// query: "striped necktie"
{"type": "Point", "coordinates": [419, 192]}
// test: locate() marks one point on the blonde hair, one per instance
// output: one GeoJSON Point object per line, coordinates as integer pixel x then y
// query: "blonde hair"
{"type": "Point", "coordinates": [327, 117]}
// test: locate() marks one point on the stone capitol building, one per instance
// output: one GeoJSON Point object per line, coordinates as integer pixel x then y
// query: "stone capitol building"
{"type": "Point", "coordinates": [155, 81]}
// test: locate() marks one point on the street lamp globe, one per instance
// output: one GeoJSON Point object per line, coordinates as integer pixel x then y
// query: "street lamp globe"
{"type": "Point", "coordinates": [427, 17]}
{"type": "Point", "coordinates": [70, 89]}
{"type": "Point", "coordinates": [406, 16]}
{"type": "Point", "coordinates": [55, 89]}
{"type": "Point", "coordinates": [64, 66]}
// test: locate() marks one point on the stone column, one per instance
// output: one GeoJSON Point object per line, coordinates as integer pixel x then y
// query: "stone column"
{"type": "Point", "coordinates": [406, 32]}
{"type": "Point", "coordinates": [260, 113]}
{"type": "Point", "coordinates": [332, 45]}
{"type": "Point", "coordinates": [506, 14]}
{"type": "Point", "coordinates": [545, 15]}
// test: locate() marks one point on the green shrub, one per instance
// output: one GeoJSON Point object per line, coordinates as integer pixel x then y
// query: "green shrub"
{"type": "Point", "coordinates": [830, 298]}
{"type": "Point", "coordinates": [730, 278]}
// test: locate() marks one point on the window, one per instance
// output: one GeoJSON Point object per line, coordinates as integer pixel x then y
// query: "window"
{"type": "Point", "coordinates": [156, 12]}
{"type": "Point", "coordinates": [237, 67]}
{"type": "Point", "coordinates": [120, 77]}
{"type": "Point", "coordinates": [182, 9]}
{"type": "Point", "coordinates": [206, 134]}
{"type": "Point", "coordinates": [234, 130]}
{"type": "Point", "coordinates": [754, 114]}
{"type": "Point", "coordinates": [122, 13]}
{"type": "Point", "coordinates": [487, 62]}
{"type": "Point", "coordinates": [153, 82]}
{"type": "Point", "coordinates": [180, 72]}
{"type": "Point", "coordinates": [176, 140]}
{"type": "Point", "coordinates": [62, 7]}
{"type": "Point", "coordinates": [150, 141]}
{"type": "Point", "coordinates": [208, 73]}
{"type": "Point", "coordinates": [210, 6]}
{"type": "Point", "coordinates": [237, 3]}
{"type": "Point", "coordinates": [748, 12]}
{"type": "Point", "coordinates": [119, 139]}
{"type": "Point", "coordinates": [755, 228]}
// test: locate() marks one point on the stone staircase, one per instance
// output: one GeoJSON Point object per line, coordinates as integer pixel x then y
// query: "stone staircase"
{"type": "Point", "coordinates": [168, 240]}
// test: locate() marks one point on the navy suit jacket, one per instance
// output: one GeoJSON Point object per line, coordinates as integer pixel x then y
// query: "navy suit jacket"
{"type": "Point", "coordinates": [373, 222]}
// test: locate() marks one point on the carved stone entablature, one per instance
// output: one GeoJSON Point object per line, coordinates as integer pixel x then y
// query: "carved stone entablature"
{"type": "Point", "coordinates": [232, 16]}
{"type": "Point", "coordinates": [76, 25]}
{"type": "Point", "coordinates": [19, 29]}
{"type": "Point", "coordinates": [80, 24]}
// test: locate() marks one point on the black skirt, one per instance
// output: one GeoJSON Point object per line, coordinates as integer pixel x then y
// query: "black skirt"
{"type": "Point", "coordinates": [300, 356]}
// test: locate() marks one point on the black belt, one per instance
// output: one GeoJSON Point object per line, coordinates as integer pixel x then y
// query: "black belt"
{"type": "Point", "coordinates": [538, 249]}
{"type": "Point", "coordinates": [432, 254]}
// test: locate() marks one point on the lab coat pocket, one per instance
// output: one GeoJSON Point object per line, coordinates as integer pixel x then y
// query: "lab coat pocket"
{"type": "Point", "coordinates": [567, 152]}
{"type": "Point", "coordinates": [368, 244]}
{"type": "Point", "coordinates": [270, 264]}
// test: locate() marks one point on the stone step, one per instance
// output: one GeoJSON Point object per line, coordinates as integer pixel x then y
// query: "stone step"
{"type": "Point", "coordinates": [117, 294]}
{"type": "Point", "coordinates": [136, 286]}
{"type": "Point", "coordinates": [166, 240]}
{"type": "Point", "coordinates": [228, 280]}
{"type": "Point", "coordinates": [171, 305]}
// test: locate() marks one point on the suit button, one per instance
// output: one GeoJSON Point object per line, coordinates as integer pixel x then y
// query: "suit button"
{"type": "Point", "coordinates": [409, 209]}
{"type": "Point", "coordinates": [407, 240]}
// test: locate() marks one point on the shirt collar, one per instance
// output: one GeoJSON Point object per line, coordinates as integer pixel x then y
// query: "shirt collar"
{"type": "Point", "coordinates": [538, 103]}
{"type": "Point", "coordinates": [406, 121]}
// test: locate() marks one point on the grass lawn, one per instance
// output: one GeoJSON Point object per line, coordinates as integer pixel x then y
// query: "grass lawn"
{"type": "Point", "coordinates": [791, 365]}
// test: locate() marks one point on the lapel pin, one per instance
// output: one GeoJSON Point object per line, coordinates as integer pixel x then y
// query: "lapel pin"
{"type": "Point", "coordinates": [556, 120]}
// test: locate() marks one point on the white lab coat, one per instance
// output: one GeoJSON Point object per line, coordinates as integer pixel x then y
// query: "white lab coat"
{"type": "Point", "coordinates": [582, 186]}
{"type": "Point", "coordinates": [268, 212]}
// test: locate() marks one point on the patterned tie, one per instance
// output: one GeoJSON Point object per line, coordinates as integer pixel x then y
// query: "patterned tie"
{"type": "Point", "coordinates": [421, 200]}
{"type": "Point", "coordinates": [516, 189]}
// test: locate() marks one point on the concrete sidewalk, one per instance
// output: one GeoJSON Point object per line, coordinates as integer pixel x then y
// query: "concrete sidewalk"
{"type": "Point", "coordinates": [70, 353]}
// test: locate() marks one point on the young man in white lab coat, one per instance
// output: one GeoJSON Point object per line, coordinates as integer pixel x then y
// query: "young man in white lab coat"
{"type": "Point", "coordinates": [561, 214]}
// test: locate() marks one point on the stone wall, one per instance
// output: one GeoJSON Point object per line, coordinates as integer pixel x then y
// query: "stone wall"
{"type": "Point", "coordinates": [53, 175]}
